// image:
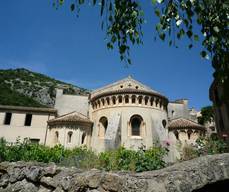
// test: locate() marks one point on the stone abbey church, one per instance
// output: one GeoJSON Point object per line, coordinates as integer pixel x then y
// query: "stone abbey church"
{"type": "Point", "coordinates": [125, 113]}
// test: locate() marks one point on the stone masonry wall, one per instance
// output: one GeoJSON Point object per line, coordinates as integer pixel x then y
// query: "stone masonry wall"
{"type": "Point", "coordinates": [186, 176]}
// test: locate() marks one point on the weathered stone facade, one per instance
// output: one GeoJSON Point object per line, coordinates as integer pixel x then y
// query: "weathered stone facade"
{"type": "Point", "coordinates": [182, 177]}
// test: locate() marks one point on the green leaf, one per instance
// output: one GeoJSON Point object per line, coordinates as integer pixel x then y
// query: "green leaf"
{"type": "Point", "coordinates": [94, 2]}
{"type": "Point", "coordinates": [72, 7]}
{"type": "Point", "coordinates": [189, 33]}
{"type": "Point", "coordinates": [154, 1]}
{"type": "Point", "coordinates": [170, 42]}
{"type": "Point", "coordinates": [157, 12]}
{"type": "Point", "coordinates": [158, 27]}
{"type": "Point", "coordinates": [162, 36]}
{"type": "Point", "coordinates": [81, 2]}
{"type": "Point", "coordinates": [203, 54]}
{"type": "Point", "coordinates": [61, 2]}
{"type": "Point", "coordinates": [196, 37]}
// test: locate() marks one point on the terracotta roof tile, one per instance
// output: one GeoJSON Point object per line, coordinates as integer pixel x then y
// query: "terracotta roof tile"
{"type": "Point", "coordinates": [73, 117]}
{"type": "Point", "coordinates": [182, 123]}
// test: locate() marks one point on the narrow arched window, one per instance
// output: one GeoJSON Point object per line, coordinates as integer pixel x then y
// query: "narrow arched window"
{"type": "Point", "coordinates": [120, 99]}
{"type": "Point", "coordinates": [176, 134]}
{"type": "Point", "coordinates": [56, 137]}
{"type": "Point", "coordinates": [133, 99]}
{"type": "Point", "coordinates": [136, 123]}
{"type": "Point", "coordinates": [127, 99]}
{"type": "Point", "coordinates": [83, 139]}
{"type": "Point", "coordinates": [103, 102]}
{"type": "Point", "coordinates": [103, 123]}
{"type": "Point", "coordinates": [146, 100]}
{"type": "Point", "coordinates": [69, 137]}
{"type": "Point", "coordinates": [140, 99]}
{"type": "Point", "coordinates": [108, 100]}
{"type": "Point", "coordinates": [189, 132]}
{"type": "Point", "coordinates": [151, 102]}
{"type": "Point", "coordinates": [114, 100]}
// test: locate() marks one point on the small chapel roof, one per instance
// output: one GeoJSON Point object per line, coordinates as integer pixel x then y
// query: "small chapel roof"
{"type": "Point", "coordinates": [182, 123]}
{"type": "Point", "coordinates": [73, 117]}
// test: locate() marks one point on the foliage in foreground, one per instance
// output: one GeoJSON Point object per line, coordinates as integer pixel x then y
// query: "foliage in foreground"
{"type": "Point", "coordinates": [84, 158]}
{"type": "Point", "coordinates": [204, 146]}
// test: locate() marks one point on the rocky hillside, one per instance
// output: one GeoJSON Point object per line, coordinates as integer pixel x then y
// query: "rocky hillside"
{"type": "Point", "coordinates": [26, 88]}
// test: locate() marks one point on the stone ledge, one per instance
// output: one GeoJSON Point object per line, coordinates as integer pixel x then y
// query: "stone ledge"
{"type": "Point", "coordinates": [186, 176]}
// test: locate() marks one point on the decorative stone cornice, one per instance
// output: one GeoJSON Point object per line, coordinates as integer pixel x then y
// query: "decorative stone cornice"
{"type": "Point", "coordinates": [128, 91]}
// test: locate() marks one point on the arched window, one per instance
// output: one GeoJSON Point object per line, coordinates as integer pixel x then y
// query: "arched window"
{"type": "Point", "coordinates": [136, 123]}
{"type": "Point", "coordinates": [108, 100]}
{"type": "Point", "coordinates": [56, 137]}
{"type": "Point", "coordinates": [114, 100]}
{"type": "Point", "coordinates": [103, 102]}
{"type": "Point", "coordinates": [120, 99]}
{"type": "Point", "coordinates": [164, 123]}
{"type": "Point", "coordinates": [103, 123]}
{"type": "Point", "coordinates": [83, 138]}
{"type": "Point", "coordinates": [133, 98]}
{"type": "Point", "coordinates": [151, 101]}
{"type": "Point", "coordinates": [176, 134]}
{"type": "Point", "coordinates": [140, 99]}
{"type": "Point", "coordinates": [98, 103]}
{"type": "Point", "coordinates": [69, 139]}
{"type": "Point", "coordinates": [189, 132]}
{"type": "Point", "coordinates": [146, 100]}
{"type": "Point", "coordinates": [127, 99]}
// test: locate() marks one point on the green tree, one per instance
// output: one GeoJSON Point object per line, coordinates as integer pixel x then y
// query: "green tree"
{"type": "Point", "coordinates": [207, 115]}
{"type": "Point", "coordinates": [209, 19]}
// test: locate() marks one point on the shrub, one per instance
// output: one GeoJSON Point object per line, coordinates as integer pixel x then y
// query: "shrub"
{"type": "Point", "coordinates": [141, 160]}
{"type": "Point", "coordinates": [84, 158]}
{"type": "Point", "coordinates": [188, 152]}
{"type": "Point", "coordinates": [209, 146]}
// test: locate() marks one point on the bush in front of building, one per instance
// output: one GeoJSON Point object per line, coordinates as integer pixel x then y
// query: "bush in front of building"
{"type": "Point", "coordinates": [204, 146]}
{"type": "Point", "coordinates": [84, 158]}
{"type": "Point", "coordinates": [130, 160]}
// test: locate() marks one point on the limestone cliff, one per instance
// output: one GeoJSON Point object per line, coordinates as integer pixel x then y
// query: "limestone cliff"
{"type": "Point", "coordinates": [27, 88]}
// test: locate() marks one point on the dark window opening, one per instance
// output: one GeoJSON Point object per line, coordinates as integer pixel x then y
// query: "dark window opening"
{"type": "Point", "coordinates": [133, 99]}
{"type": "Point", "coordinates": [28, 119]}
{"type": "Point", "coordinates": [103, 126]}
{"type": "Point", "coordinates": [8, 117]}
{"type": "Point", "coordinates": [176, 135]}
{"type": "Point", "coordinates": [120, 99]}
{"type": "Point", "coordinates": [189, 134]}
{"type": "Point", "coordinates": [70, 136]}
{"type": "Point", "coordinates": [164, 123]}
{"type": "Point", "coordinates": [83, 138]}
{"type": "Point", "coordinates": [127, 99]}
{"type": "Point", "coordinates": [34, 141]}
{"type": "Point", "coordinates": [114, 100]}
{"type": "Point", "coordinates": [136, 122]}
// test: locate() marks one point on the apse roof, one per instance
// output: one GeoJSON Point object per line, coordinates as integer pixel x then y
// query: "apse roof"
{"type": "Point", "coordinates": [130, 84]}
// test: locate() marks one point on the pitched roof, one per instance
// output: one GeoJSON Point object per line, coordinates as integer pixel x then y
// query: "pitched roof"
{"type": "Point", "coordinates": [27, 109]}
{"type": "Point", "coordinates": [70, 118]}
{"type": "Point", "coordinates": [127, 83]}
{"type": "Point", "coordinates": [182, 123]}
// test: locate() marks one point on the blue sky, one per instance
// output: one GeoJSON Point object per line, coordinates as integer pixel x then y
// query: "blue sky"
{"type": "Point", "coordinates": [34, 35]}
